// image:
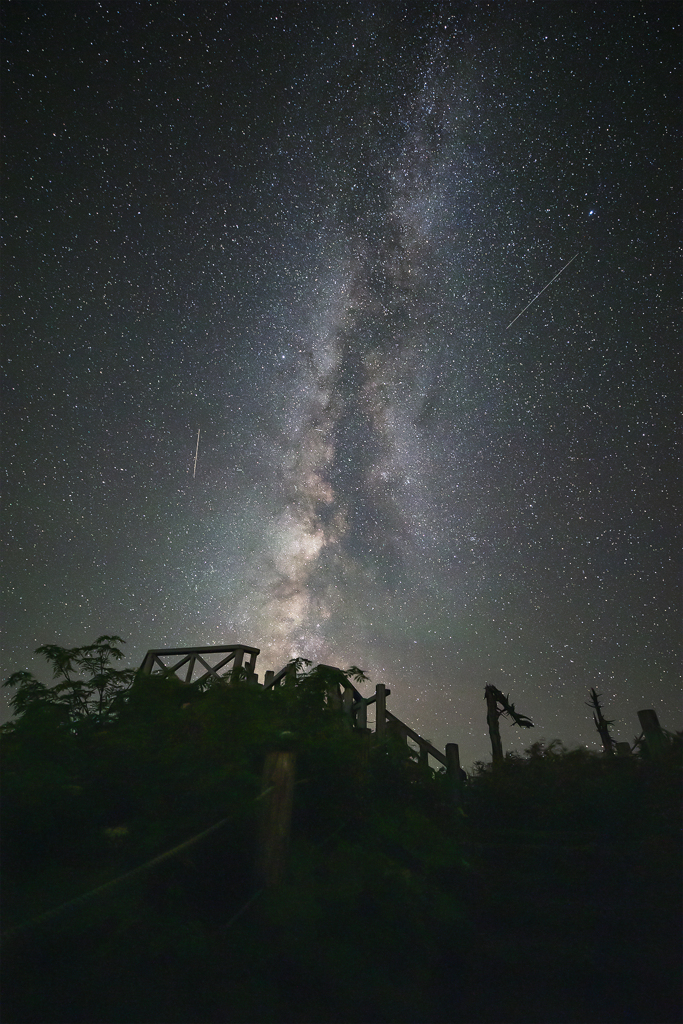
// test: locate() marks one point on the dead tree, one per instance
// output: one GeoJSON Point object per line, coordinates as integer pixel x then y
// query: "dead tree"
{"type": "Point", "coordinates": [602, 724]}
{"type": "Point", "coordinates": [498, 704]}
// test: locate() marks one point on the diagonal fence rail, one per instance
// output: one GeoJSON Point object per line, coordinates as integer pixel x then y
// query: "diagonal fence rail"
{"type": "Point", "coordinates": [192, 659]}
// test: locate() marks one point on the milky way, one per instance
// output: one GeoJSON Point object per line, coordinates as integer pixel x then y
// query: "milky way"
{"type": "Point", "coordinates": [304, 231]}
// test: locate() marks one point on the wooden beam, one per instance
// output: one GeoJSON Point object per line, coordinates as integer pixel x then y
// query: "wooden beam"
{"type": "Point", "coordinates": [172, 669]}
{"type": "Point", "coordinates": [277, 791]}
{"type": "Point", "coordinates": [275, 678]}
{"type": "Point", "coordinates": [652, 731]}
{"type": "Point", "coordinates": [212, 670]}
{"type": "Point", "coordinates": [334, 697]}
{"type": "Point", "coordinates": [418, 739]}
{"type": "Point", "coordinates": [154, 658]}
{"type": "Point", "coordinates": [346, 683]}
{"type": "Point", "coordinates": [381, 713]}
{"type": "Point", "coordinates": [237, 665]}
{"type": "Point", "coordinates": [454, 772]}
{"type": "Point", "coordinates": [168, 652]}
{"type": "Point", "coordinates": [147, 664]}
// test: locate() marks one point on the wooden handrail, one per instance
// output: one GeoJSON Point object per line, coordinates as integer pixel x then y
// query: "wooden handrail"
{"type": "Point", "coordinates": [205, 650]}
{"type": "Point", "coordinates": [424, 744]}
{"type": "Point", "coordinates": [191, 655]}
{"type": "Point", "coordinates": [354, 704]}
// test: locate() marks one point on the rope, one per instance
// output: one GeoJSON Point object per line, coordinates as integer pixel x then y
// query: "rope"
{"type": "Point", "coordinates": [84, 897]}
{"type": "Point", "coordinates": [92, 893]}
{"type": "Point", "coordinates": [41, 918]}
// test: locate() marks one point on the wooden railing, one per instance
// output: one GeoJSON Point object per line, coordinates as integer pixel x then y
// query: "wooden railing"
{"type": "Point", "coordinates": [279, 769]}
{"type": "Point", "coordinates": [192, 657]}
{"type": "Point", "coordinates": [342, 694]}
{"type": "Point", "coordinates": [355, 706]}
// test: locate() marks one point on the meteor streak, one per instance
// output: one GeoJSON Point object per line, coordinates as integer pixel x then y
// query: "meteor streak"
{"type": "Point", "coordinates": [541, 292]}
{"type": "Point", "coordinates": [194, 471]}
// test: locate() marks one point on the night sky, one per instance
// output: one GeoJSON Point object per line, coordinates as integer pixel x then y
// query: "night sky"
{"type": "Point", "coordinates": [303, 229]}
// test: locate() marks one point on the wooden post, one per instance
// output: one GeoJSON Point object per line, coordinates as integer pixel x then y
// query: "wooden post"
{"type": "Point", "coordinates": [148, 664]}
{"type": "Point", "coordinates": [622, 748]}
{"type": "Point", "coordinates": [652, 731]}
{"type": "Point", "coordinates": [277, 790]}
{"type": "Point", "coordinates": [381, 709]}
{"type": "Point", "coordinates": [424, 756]}
{"type": "Point", "coordinates": [237, 664]}
{"type": "Point", "coordinates": [334, 699]}
{"type": "Point", "coordinates": [453, 771]}
{"type": "Point", "coordinates": [362, 715]}
{"type": "Point", "coordinates": [494, 728]}
{"type": "Point", "coordinates": [268, 678]}
{"type": "Point", "coordinates": [347, 701]}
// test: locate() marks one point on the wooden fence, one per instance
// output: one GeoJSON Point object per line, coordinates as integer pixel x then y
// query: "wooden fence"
{"type": "Point", "coordinates": [192, 659]}
{"type": "Point", "coordinates": [279, 768]}
{"type": "Point", "coordinates": [354, 705]}
{"type": "Point", "coordinates": [208, 662]}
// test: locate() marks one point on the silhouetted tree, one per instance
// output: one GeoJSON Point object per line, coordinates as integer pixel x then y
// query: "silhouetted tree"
{"type": "Point", "coordinates": [498, 704]}
{"type": "Point", "coordinates": [601, 723]}
{"type": "Point", "coordinates": [73, 700]}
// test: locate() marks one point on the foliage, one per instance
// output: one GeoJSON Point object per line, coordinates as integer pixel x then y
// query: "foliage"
{"type": "Point", "coordinates": [72, 701]}
{"type": "Point", "coordinates": [396, 907]}
{"type": "Point", "coordinates": [553, 788]}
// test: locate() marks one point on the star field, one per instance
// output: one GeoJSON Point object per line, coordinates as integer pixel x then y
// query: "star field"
{"type": "Point", "coordinates": [305, 229]}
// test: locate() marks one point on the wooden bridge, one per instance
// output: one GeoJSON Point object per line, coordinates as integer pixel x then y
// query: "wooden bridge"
{"type": "Point", "coordinates": [200, 664]}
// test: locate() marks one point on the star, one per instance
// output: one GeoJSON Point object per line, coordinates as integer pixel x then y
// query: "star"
{"type": "Point", "coordinates": [293, 250]}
